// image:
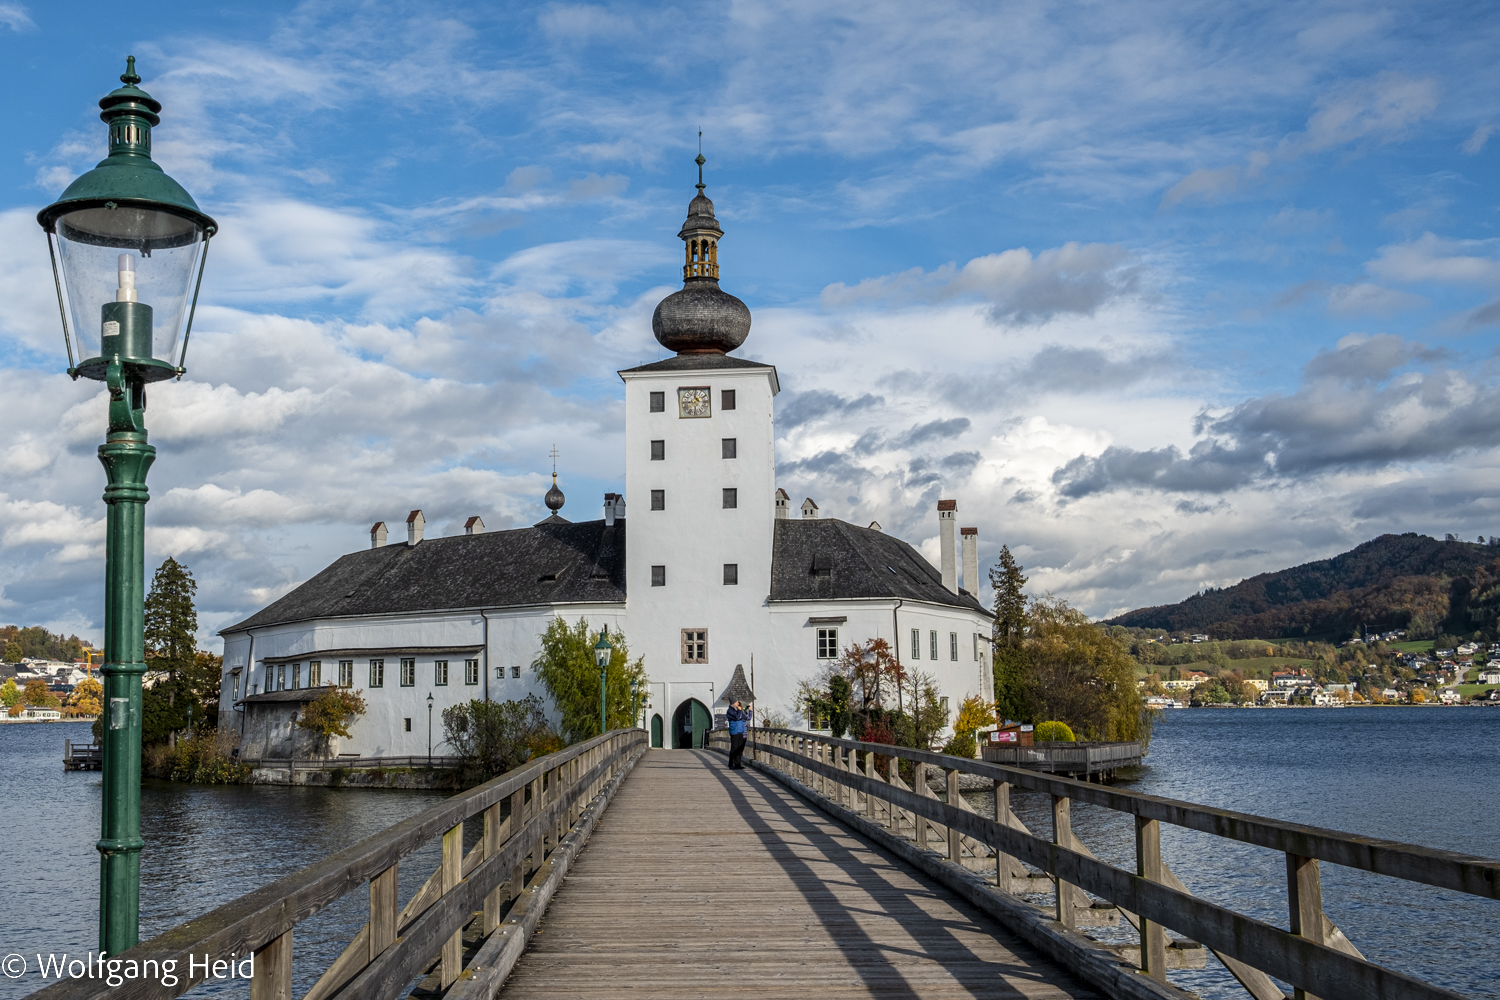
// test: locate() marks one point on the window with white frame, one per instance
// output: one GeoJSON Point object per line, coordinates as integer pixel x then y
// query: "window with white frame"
{"type": "Point", "coordinates": [953, 646]}
{"type": "Point", "coordinates": [296, 676]}
{"type": "Point", "coordinates": [916, 644]}
{"type": "Point", "coordinates": [281, 677]}
{"type": "Point", "coordinates": [440, 673]}
{"type": "Point", "coordinates": [377, 673]}
{"type": "Point", "coordinates": [932, 640]}
{"type": "Point", "coordinates": [471, 672]}
{"type": "Point", "coordinates": [828, 643]}
{"type": "Point", "coordinates": [235, 696]}
{"type": "Point", "coordinates": [315, 674]}
{"type": "Point", "coordinates": [515, 672]}
{"type": "Point", "coordinates": [408, 672]}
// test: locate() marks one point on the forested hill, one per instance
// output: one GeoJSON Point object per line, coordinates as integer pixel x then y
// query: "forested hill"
{"type": "Point", "coordinates": [1395, 581]}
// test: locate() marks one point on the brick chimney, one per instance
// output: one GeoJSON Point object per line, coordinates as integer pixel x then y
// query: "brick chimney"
{"type": "Point", "coordinates": [377, 535]}
{"type": "Point", "coordinates": [809, 509]}
{"type": "Point", "coordinates": [947, 521]}
{"type": "Point", "coordinates": [970, 539]}
{"type": "Point", "coordinates": [783, 505]}
{"type": "Point", "coordinates": [415, 522]}
{"type": "Point", "coordinates": [474, 525]}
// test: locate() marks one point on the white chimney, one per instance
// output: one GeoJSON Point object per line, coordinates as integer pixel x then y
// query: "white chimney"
{"type": "Point", "coordinates": [947, 521]}
{"type": "Point", "coordinates": [474, 525]}
{"type": "Point", "coordinates": [783, 505]}
{"type": "Point", "coordinates": [875, 526]}
{"type": "Point", "coordinates": [970, 539]}
{"type": "Point", "coordinates": [809, 509]}
{"type": "Point", "coordinates": [415, 522]}
{"type": "Point", "coordinates": [609, 510]}
{"type": "Point", "coordinates": [377, 535]}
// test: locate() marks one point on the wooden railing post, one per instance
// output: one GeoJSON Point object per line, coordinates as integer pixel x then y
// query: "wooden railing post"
{"type": "Point", "coordinates": [955, 839]}
{"type": "Point", "coordinates": [918, 821]}
{"type": "Point", "coordinates": [517, 823]}
{"type": "Point", "coordinates": [383, 912]}
{"type": "Point", "coordinates": [496, 832]}
{"type": "Point", "coordinates": [453, 873]}
{"type": "Point", "coordinates": [1004, 863]}
{"type": "Point", "coordinates": [1148, 866]}
{"type": "Point", "coordinates": [1062, 836]}
{"type": "Point", "coordinates": [273, 970]}
{"type": "Point", "coordinates": [1304, 890]}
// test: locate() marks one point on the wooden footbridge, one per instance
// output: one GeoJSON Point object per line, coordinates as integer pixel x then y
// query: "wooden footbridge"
{"type": "Point", "coordinates": [826, 868]}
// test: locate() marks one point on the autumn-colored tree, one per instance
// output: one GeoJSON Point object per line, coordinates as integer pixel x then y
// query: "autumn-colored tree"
{"type": "Point", "coordinates": [331, 714]}
{"type": "Point", "coordinates": [1081, 675]}
{"type": "Point", "coordinates": [37, 695]}
{"type": "Point", "coordinates": [87, 698]}
{"type": "Point", "coordinates": [10, 694]}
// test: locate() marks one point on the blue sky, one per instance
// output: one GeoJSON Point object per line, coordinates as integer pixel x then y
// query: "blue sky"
{"type": "Point", "coordinates": [1165, 294]}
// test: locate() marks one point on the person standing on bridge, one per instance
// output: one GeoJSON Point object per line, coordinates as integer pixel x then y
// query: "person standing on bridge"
{"type": "Point", "coordinates": [739, 720]}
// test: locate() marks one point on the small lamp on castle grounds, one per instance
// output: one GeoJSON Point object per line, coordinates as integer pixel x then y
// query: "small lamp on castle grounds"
{"type": "Point", "coordinates": [126, 241]}
{"type": "Point", "coordinates": [635, 701]}
{"type": "Point", "coordinates": [602, 652]}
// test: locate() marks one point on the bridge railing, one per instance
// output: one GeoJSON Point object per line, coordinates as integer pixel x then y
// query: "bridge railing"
{"type": "Point", "coordinates": [1313, 954]}
{"type": "Point", "coordinates": [526, 814]}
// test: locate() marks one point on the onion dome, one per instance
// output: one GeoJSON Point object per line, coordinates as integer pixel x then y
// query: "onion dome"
{"type": "Point", "coordinates": [554, 498]}
{"type": "Point", "coordinates": [702, 318]}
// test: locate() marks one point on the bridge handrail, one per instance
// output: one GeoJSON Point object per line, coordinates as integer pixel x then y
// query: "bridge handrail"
{"type": "Point", "coordinates": [1466, 873]}
{"type": "Point", "coordinates": [1314, 955]}
{"type": "Point", "coordinates": [547, 794]}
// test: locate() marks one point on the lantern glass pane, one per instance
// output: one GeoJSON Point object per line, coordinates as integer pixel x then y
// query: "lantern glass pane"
{"type": "Point", "coordinates": [162, 250]}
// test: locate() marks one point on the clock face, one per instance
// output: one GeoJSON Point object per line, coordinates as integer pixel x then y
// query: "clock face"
{"type": "Point", "coordinates": [695, 402]}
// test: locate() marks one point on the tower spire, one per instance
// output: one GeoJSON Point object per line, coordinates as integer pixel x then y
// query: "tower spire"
{"type": "Point", "coordinates": [700, 161]}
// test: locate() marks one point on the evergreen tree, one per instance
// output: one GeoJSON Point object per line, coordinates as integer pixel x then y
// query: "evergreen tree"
{"type": "Point", "coordinates": [171, 646]}
{"type": "Point", "coordinates": [1012, 690]}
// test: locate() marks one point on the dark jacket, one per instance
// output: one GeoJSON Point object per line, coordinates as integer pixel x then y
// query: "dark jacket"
{"type": "Point", "coordinates": [738, 719]}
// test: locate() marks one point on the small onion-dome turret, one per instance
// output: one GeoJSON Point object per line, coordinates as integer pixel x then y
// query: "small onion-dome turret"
{"type": "Point", "coordinates": [702, 318]}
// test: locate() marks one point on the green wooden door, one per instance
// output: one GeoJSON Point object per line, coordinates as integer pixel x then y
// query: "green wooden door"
{"type": "Point", "coordinates": [702, 723]}
{"type": "Point", "coordinates": [655, 730]}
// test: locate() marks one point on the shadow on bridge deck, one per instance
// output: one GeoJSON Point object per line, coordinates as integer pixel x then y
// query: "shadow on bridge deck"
{"type": "Point", "coordinates": [701, 881]}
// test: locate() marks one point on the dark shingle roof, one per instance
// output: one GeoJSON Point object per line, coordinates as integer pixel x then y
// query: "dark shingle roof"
{"type": "Point", "coordinates": [549, 563]}
{"type": "Point", "coordinates": [697, 363]}
{"type": "Point", "coordinates": [828, 559]}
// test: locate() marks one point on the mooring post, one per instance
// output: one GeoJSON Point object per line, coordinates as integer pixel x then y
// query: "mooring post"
{"type": "Point", "coordinates": [1062, 836]}
{"type": "Point", "coordinates": [273, 970]}
{"type": "Point", "coordinates": [1148, 866]}
{"type": "Point", "coordinates": [1304, 890]}
{"type": "Point", "coordinates": [1004, 864]}
{"type": "Point", "coordinates": [955, 839]}
{"type": "Point", "coordinates": [383, 912]}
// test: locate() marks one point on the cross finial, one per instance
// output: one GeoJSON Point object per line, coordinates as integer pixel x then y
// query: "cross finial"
{"type": "Point", "coordinates": [553, 454]}
{"type": "Point", "coordinates": [700, 161]}
{"type": "Point", "coordinates": [129, 77]}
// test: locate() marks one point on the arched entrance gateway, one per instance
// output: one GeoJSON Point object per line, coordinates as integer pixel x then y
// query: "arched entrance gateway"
{"type": "Point", "coordinates": [690, 724]}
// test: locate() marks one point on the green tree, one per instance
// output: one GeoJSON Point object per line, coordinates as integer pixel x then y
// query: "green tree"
{"type": "Point", "coordinates": [567, 669]}
{"type": "Point", "coordinates": [1081, 675]}
{"type": "Point", "coordinates": [331, 714]}
{"type": "Point", "coordinates": [9, 693]}
{"type": "Point", "coordinates": [839, 716]}
{"type": "Point", "coordinates": [13, 652]}
{"type": "Point", "coordinates": [171, 645]}
{"type": "Point", "coordinates": [495, 737]}
{"type": "Point", "coordinates": [1012, 692]}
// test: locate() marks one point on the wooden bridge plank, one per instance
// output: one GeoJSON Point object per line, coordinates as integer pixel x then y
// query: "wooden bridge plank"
{"type": "Point", "coordinates": [700, 879]}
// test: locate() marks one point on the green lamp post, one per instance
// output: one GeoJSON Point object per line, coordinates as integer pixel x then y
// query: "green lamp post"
{"type": "Point", "coordinates": [635, 702]}
{"type": "Point", "coordinates": [125, 241]}
{"type": "Point", "coordinates": [602, 652]}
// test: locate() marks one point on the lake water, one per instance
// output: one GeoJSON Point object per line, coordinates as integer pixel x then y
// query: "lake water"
{"type": "Point", "coordinates": [1419, 775]}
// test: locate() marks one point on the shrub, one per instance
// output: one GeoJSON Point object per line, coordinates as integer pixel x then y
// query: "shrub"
{"type": "Point", "coordinates": [1054, 732]}
{"type": "Point", "coordinates": [494, 737]}
{"type": "Point", "coordinates": [962, 745]}
{"type": "Point", "coordinates": [205, 757]}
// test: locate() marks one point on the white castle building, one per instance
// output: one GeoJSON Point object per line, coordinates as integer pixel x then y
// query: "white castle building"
{"type": "Point", "coordinates": [709, 573]}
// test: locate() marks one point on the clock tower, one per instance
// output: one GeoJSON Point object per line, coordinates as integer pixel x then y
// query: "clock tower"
{"type": "Point", "coordinates": [700, 470]}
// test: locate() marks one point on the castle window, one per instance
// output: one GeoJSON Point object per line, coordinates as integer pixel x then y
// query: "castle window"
{"type": "Point", "coordinates": [315, 674]}
{"type": "Point", "coordinates": [731, 497]}
{"type": "Point", "coordinates": [408, 673]}
{"type": "Point", "coordinates": [726, 399]}
{"type": "Point", "coordinates": [658, 576]}
{"type": "Point", "coordinates": [346, 673]}
{"type": "Point", "coordinates": [916, 644]}
{"type": "Point", "coordinates": [658, 402]}
{"type": "Point", "coordinates": [730, 447]}
{"type": "Point", "coordinates": [658, 451]}
{"type": "Point", "coordinates": [731, 574]}
{"type": "Point", "coordinates": [933, 647]}
{"type": "Point", "coordinates": [377, 673]}
{"type": "Point", "coordinates": [281, 677]}
{"type": "Point", "coordinates": [953, 646]}
{"type": "Point", "coordinates": [695, 645]}
{"type": "Point", "coordinates": [471, 671]}
{"type": "Point", "coordinates": [658, 499]}
{"type": "Point", "coordinates": [828, 643]}
{"type": "Point", "coordinates": [515, 673]}
{"type": "Point", "coordinates": [406, 724]}
{"type": "Point", "coordinates": [296, 676]}
{"type": "Point", "coordinates": [440, 673]}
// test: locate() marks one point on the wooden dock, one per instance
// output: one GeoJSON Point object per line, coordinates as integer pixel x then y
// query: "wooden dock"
{"type": "Point", "coordinates": [1075, 760]}
{"type": "Point", "coordinates": [701, 881]}
{"type": "Point", "coordinates": [82, 756]}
